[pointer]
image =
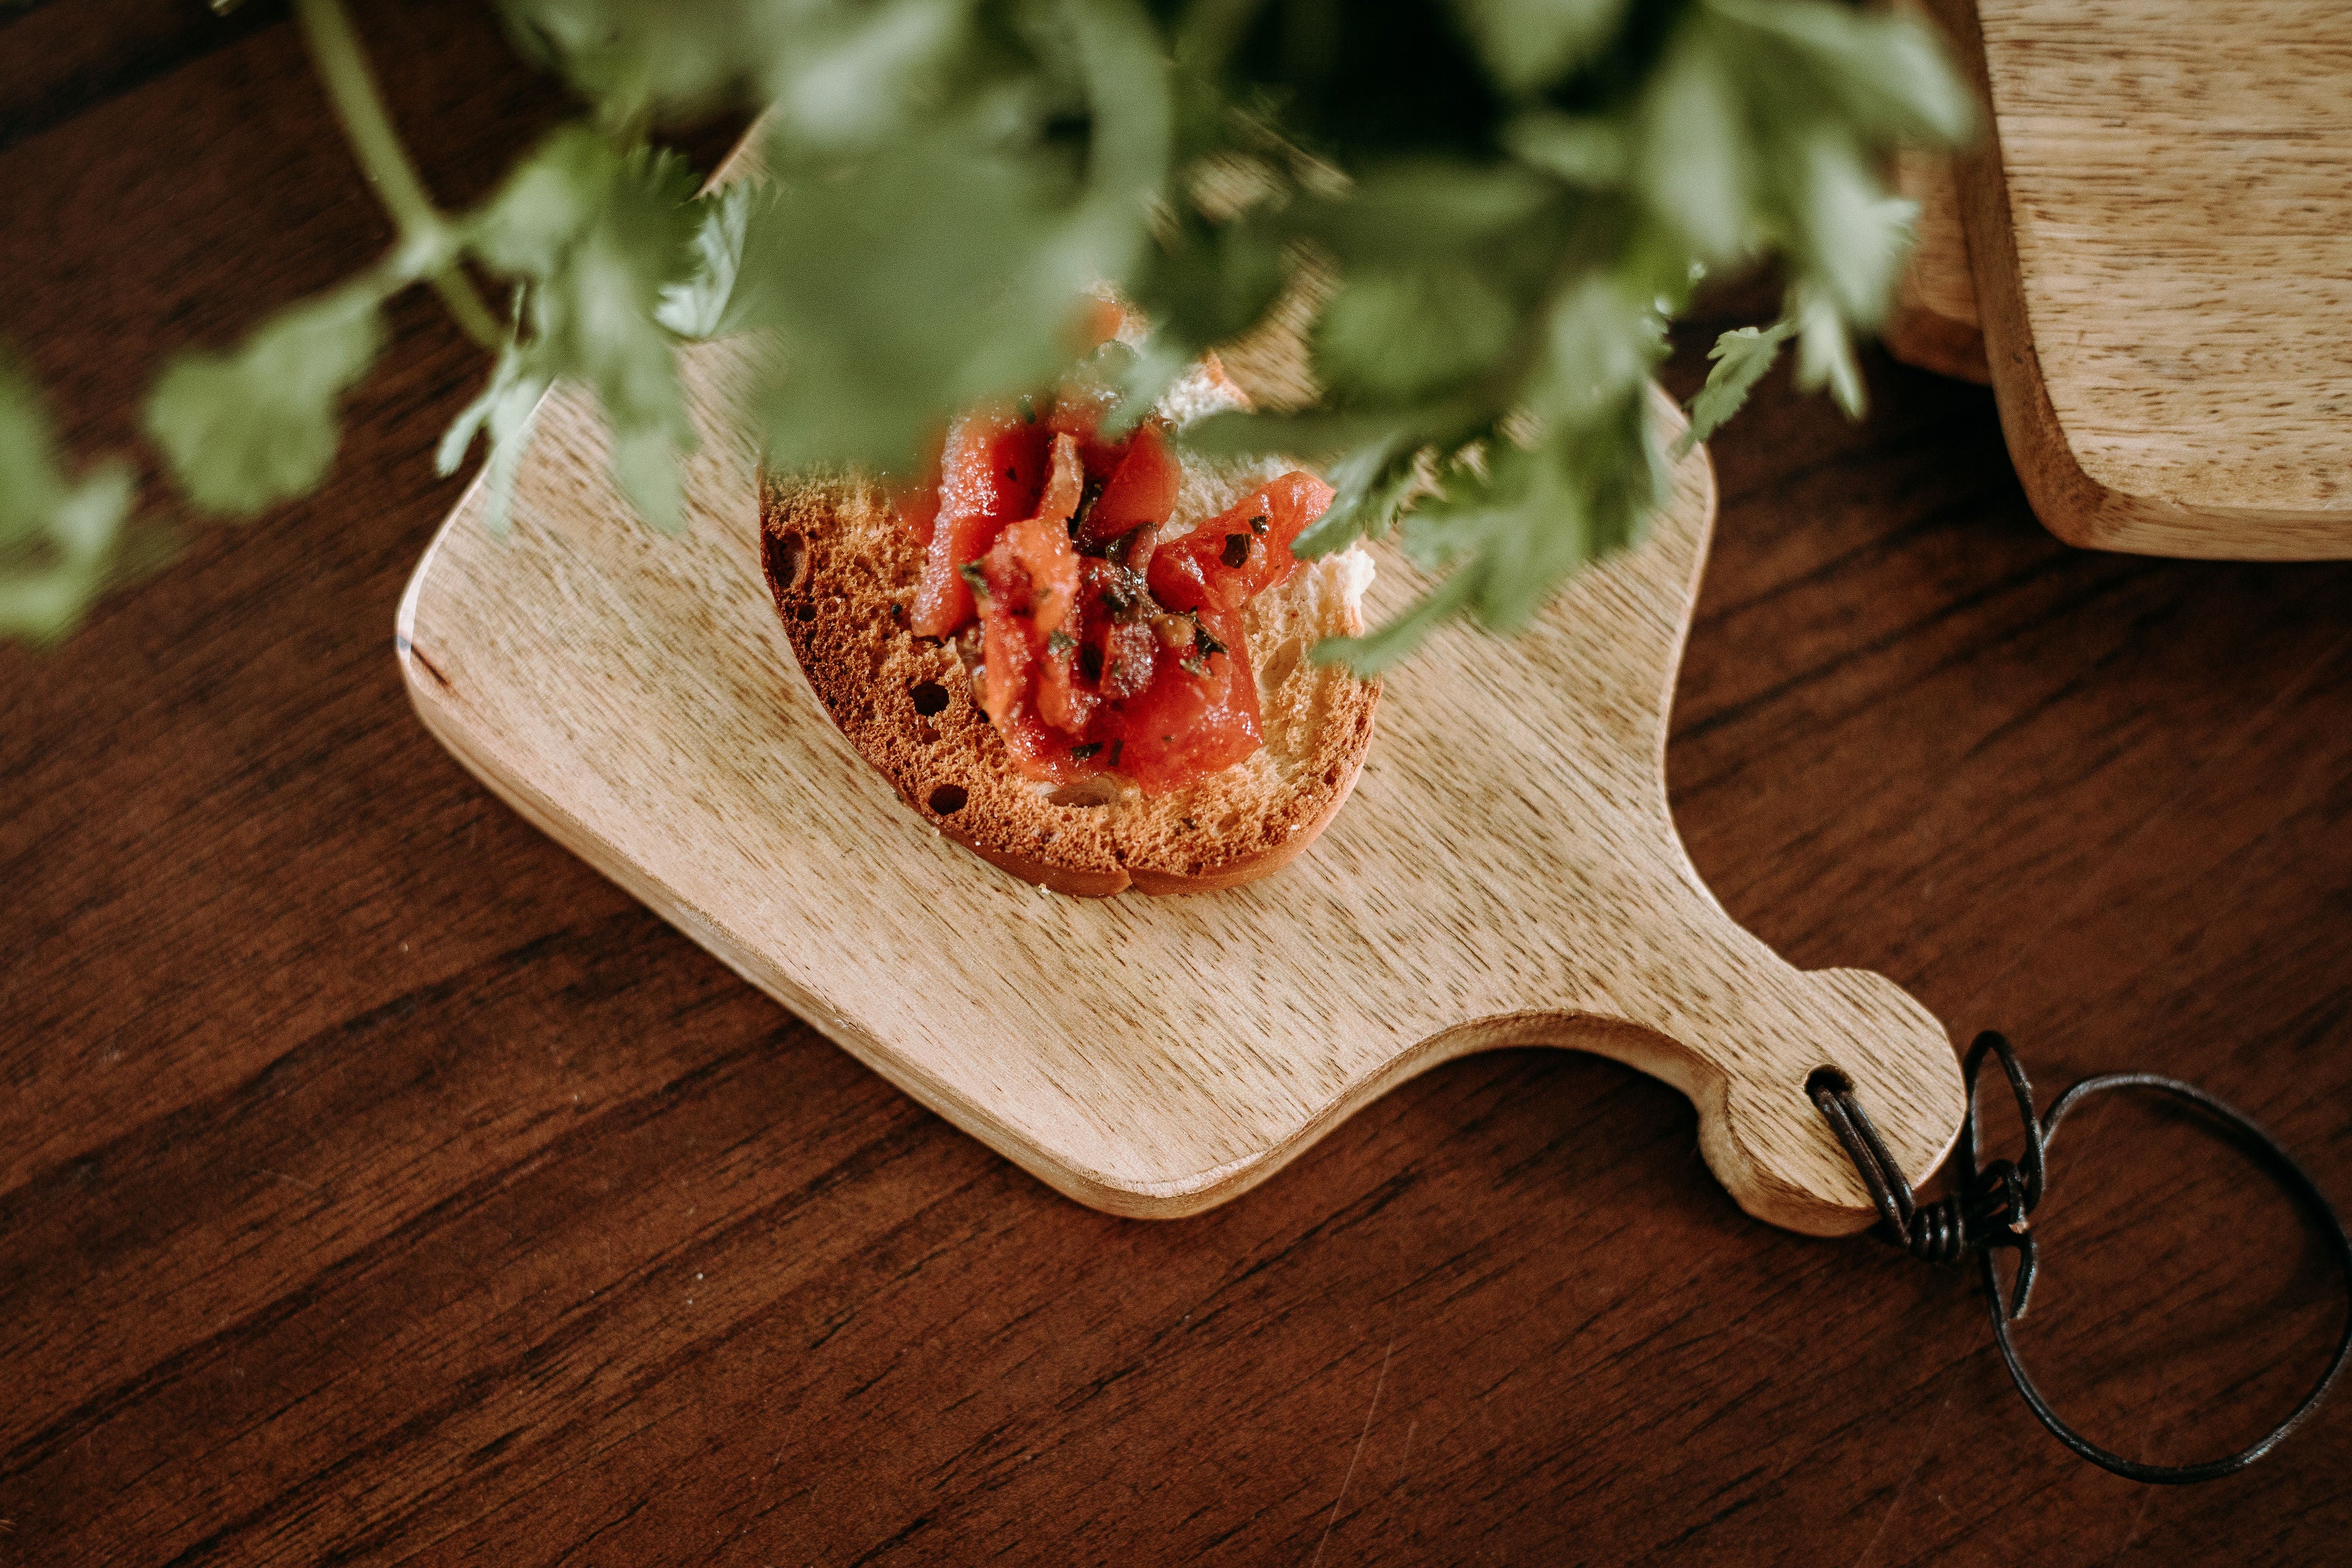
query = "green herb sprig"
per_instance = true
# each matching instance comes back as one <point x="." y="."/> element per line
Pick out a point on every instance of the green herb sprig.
<point x="1500" y="203"/>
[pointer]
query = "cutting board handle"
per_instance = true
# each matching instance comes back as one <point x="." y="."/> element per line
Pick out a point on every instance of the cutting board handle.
<point x="1699" y="1002"/>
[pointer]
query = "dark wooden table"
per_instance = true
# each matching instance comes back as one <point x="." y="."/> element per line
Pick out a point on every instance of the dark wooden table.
<point x="380" y="1183"/>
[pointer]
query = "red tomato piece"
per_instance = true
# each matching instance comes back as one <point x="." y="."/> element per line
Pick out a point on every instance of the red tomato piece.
<point x="1235" y="556"/>
<point x="1177" y="578"/>
<point x="1032" y="586"/>
<point x="1065" y="700"/>
<point x="1042" y="752"/>
<point x="1035" y="569"/>
<point x="1069" y="675"/>
<point x="991" y="473"/>
<point x="1195" y="720"/>
<point x="1130" y="658"/>
<point x="1065" y="481"/>
<point x="1078" y="412"/>
<point x="1139" y="493"/>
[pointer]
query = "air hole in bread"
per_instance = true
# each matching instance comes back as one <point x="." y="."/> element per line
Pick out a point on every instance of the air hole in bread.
<point x="1096" y="791"/>
<point x="807" y="612"/>
<point x="931" y="697"/>
<point x="949" y="799"/>
<point x="791" y="560"/>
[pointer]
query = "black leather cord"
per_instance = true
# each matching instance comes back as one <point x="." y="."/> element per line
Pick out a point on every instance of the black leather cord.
<point x="1991" y="1207"/>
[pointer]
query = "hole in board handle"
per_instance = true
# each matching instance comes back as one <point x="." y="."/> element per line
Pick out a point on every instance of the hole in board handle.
<point x="1826" y="1080"/>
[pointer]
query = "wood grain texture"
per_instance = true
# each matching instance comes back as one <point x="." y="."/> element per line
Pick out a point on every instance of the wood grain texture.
<point x="2160" y="232"/>
<point x="1934" y="324"/>
<point x="636" y="698"/>
<point x="379" y="1183"/>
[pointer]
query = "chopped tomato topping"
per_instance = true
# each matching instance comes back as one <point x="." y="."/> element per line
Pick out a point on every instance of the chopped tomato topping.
<point x="1234" y="558"/>
<point x="1065" y="481"/>
<point x="1033" y="583"/>
<point x="991" y="472"/>
<point x="1130" y="659"/>
<point x="1065" y="700"/>
<point x="1188" y="723"/>
<point x="1104" y="648"/>
<point x="1078" y="413"/>
<point x="1008" y="648"/>
<point x="1139" y="493"/>
<point x="1038" y="750"/>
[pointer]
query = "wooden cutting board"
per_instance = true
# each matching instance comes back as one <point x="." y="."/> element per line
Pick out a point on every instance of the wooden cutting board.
<point x="2160" y="232"/>
<point x="1506" y="872"/>
<point x="1934" y="324"/>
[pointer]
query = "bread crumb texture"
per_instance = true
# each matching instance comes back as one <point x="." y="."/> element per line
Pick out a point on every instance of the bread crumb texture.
<point x="843" y="570"/>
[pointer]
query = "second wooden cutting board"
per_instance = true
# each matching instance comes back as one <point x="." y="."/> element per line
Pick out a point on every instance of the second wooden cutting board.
<point x="2160" y="231"/>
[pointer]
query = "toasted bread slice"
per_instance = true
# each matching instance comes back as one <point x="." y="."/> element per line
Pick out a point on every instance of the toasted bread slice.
<point x="842" y="568"/>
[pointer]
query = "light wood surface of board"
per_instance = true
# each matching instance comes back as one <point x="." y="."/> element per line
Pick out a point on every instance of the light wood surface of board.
<point x="2160" y="231"/>
<point x="1506" y="873"/>
<point x="1934" y="323"/>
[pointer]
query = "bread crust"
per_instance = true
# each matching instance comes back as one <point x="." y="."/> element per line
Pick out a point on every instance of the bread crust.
<point x="843" y="569"/>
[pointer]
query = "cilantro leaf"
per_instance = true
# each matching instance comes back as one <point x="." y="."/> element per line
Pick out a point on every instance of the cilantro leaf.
<point x="1825" y="352"/>
<point x="599" y="240"/>
<point x="705" y="303"/>
<point x="1601" y="339"/>
<point x="1593" y="151"/>
<point x="1370" y="487"/>
<point x="59" y="538"/>
<point x="1530" y="43"/>
<point x="504" y="409"/>
<point x="1694" y="164"/>
<point x="854" y="73"/>
<point x="1853" y="236"/>
<point x="246" y="429"/>
<point x="1402" y="333"/>
<point x="1885" y="70"/>
<point x="995" y="230"/>
<point x="631" y="58"/>
<point x="1741" y="357"/>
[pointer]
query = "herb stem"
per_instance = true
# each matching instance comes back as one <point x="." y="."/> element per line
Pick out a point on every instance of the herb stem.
<point x="342" y="65"/>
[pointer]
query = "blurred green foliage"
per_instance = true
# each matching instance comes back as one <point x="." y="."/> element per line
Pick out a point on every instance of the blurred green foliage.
<point x="60" y="538"/>
<point x="1507" y="199"/>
